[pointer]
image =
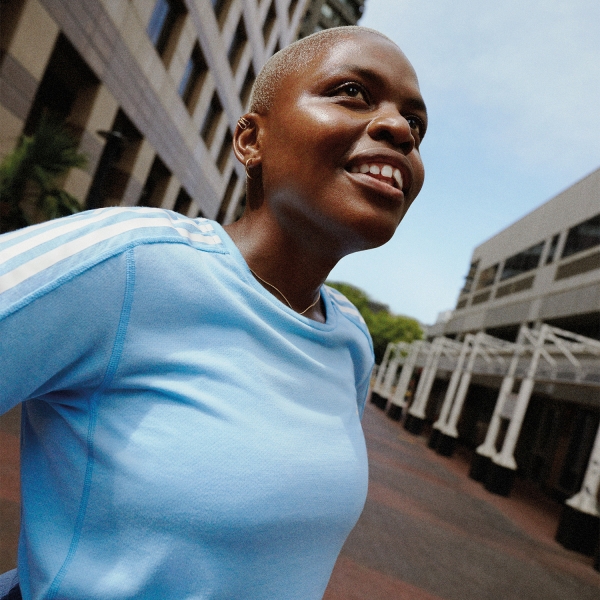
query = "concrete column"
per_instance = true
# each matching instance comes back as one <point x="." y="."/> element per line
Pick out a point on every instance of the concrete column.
<point x="463" y="388"/>
<point x="416" y="414"/>
<point x="579" y="525"/>
<point x="484" y="453"/>
<point x="398" y="401"/>
<point x="503" y="468"/>
<point x="440" y="424"/>
<point x="390" y="374"/>
<point x="377" y="386"/>
<point x="377" y="396"/>
<point x="453" y="384"/>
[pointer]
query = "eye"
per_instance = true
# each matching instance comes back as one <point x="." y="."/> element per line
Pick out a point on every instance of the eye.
<point x="416" y="124"/>
<point x="352" y="90"/>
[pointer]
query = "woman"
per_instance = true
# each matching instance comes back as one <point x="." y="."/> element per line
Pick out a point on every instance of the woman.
<point x="191" y="394"/>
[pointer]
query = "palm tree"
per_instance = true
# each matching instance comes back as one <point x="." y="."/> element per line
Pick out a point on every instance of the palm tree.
<point x="29" y="192"/>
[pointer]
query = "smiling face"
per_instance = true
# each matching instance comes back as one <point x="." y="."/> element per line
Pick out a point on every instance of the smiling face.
<point x="339" y="148"/>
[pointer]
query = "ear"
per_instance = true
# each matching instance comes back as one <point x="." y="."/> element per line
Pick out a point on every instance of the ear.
<point x="247" y="138"/>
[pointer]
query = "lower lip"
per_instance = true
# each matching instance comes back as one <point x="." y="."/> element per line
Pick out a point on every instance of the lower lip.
<point x="381" y="187"/>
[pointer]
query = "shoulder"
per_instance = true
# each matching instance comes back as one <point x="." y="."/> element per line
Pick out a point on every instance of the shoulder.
<point x="347" y="309"/>
<point x="42" y="256"/>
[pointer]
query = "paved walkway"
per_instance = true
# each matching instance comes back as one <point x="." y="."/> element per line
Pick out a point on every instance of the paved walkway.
<point x="428" y="532"/>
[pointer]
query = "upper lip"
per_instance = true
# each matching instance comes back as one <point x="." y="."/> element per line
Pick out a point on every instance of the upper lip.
<point x="388" y="157"/>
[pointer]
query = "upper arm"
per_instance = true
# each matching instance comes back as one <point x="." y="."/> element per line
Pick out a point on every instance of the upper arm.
<point x="60" y="340"/>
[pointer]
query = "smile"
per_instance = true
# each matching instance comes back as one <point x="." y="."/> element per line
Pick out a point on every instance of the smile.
<point x="381" y="171"/>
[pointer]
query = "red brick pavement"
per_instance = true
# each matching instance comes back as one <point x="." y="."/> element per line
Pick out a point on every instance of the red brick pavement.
<point x="429" y="532"/>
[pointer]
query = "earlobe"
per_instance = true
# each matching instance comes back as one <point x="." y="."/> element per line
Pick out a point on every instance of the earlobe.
<point x="246" y="140"/>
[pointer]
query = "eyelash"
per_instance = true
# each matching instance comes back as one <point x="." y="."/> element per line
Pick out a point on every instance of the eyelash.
<point x="419" y="124"/>
<point x="352" y="84"/>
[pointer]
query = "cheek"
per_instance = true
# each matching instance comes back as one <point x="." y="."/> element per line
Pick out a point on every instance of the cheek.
<point x="315" y="135"/>
<point x="418" y="174"/>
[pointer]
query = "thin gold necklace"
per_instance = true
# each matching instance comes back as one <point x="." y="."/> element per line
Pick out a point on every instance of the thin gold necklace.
<point x="283" y="295"/>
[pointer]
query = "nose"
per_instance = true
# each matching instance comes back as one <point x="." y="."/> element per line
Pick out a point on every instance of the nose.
<point x="391" y="127"/>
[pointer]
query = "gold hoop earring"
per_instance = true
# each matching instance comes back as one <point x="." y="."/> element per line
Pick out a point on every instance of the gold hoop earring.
<point x="247" y="167"/>
<point x="243" y="123"/>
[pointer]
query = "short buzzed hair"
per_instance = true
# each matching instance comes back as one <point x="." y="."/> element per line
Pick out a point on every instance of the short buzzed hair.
<point x="292" y="59"/>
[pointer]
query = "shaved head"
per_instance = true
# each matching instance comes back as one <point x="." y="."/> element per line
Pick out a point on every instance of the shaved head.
<point x="292" y="59"/>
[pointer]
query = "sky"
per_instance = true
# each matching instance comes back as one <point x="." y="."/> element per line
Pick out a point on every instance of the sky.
<point x="512" y="89"/>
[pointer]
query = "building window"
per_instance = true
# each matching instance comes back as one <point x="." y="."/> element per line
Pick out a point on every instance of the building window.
<point x="470" y="278"/>
<point x="156" y="184"/>
<point x="183" y="202"/>
<point x="461" y="303"/>
<point x="225" y="151"/>
<point x="292" y="8"/>
<point x="238" y="43"/>
<point x="164" y="24"/>
<point x="521" y="263"/>
<point x="67" y="91"/>
<point x="116" y="163"/>
<point x="211" y="120"/>
<point x="355" y="6"/>
<point x="247" y="86"/>
<point x="240" y="208"/>
<point x="583" y="236"/>
<point x="487" y="277"/>
<point x="327" y="11"/>
<point x="552" y="249"/>
<point x="221" y="8"/>
<point x="193" y="77"/>
<point x="269" y="22"/>
<point x="227" y="197"/>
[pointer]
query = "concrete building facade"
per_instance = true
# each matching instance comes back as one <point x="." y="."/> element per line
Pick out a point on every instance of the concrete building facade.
<point x="543" y="268"/>
<point x="513" y="372"/>
<point x="150" y="89"/>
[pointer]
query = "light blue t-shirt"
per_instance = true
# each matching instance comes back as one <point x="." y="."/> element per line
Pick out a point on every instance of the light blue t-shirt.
<point x="184" y="434"/>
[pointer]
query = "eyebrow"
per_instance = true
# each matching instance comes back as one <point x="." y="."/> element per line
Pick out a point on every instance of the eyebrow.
<point x="415" y="103"/>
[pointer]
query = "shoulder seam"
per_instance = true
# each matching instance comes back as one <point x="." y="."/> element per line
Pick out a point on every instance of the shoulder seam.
<point x="111" y="253"/>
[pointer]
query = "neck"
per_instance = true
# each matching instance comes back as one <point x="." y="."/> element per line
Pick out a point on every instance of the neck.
<point x="292" y="268"/>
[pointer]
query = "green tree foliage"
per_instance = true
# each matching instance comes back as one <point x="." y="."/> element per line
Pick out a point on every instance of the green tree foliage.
<point x="29" y="188"/>
<point x="384" y="326"/>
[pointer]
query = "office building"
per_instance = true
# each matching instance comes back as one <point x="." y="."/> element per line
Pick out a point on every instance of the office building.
<point x="513" y="372"/>
<point x="150" y="89"/>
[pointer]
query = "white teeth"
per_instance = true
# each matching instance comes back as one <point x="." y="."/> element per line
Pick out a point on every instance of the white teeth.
<point x="384" y="171"/>
<point x="398" y="177"/>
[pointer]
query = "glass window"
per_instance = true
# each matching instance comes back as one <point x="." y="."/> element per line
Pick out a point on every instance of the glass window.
<point x="292" y="8"/>
<point x="238" y="43"/>
<point x="221" y="8"/>
<point x="247" y="86"/>
<point x="158" y="20"/>
<point x="269" y="22"/>
<point x="327" y="11"/>
<point x="470" y="277"/>
<point x="521" y="263"/>
<point x="156" y="184"/>
<point x="183" y="202"/>
<point x="552" y="249"/>
<point x="162" y="23"/>
<point x="583" y="236"/>
<point x="194" y="73"/>
<point x="211" y="120"/>
<point x="225" y="151"/>
<point x="487" y="276"/>
<point x="227" y="197"/>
